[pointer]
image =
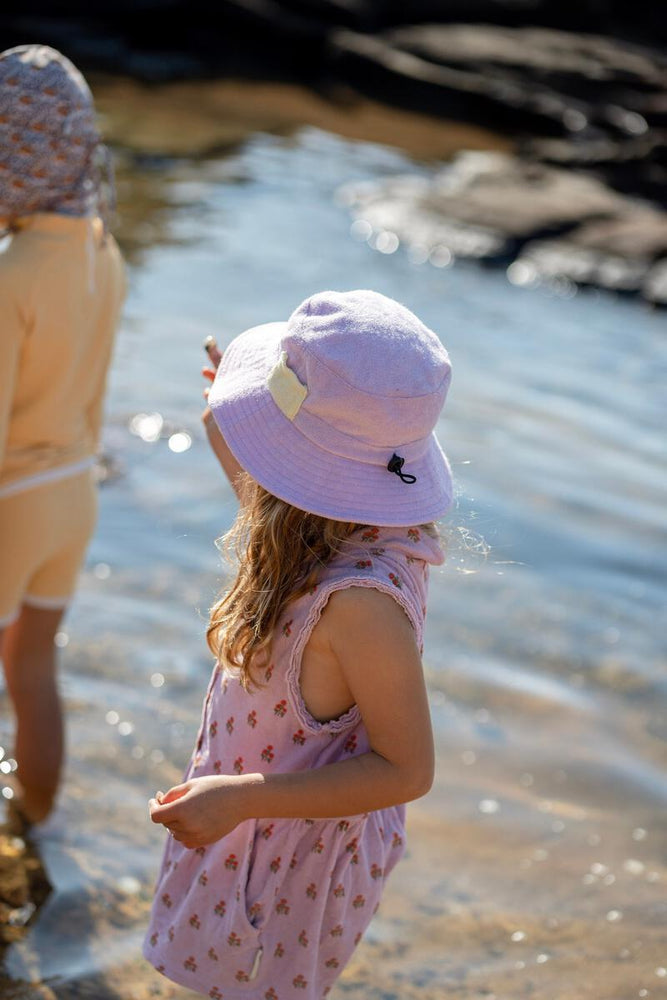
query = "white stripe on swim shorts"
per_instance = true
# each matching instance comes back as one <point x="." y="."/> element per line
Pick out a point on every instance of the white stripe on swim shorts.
<point x="48" y="476"/>
<point x="47" y="603"/>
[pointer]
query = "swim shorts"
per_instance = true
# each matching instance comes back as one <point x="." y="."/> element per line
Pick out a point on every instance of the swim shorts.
<point x="44" y="533"/>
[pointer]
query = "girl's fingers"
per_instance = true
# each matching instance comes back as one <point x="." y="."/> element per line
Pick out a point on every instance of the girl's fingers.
<point x="156" y="802"/>
<point x="177" y="792"/>
<point x="212" y="350"/>
<point x="167" y="815"/>
<point x="156" y="810"/>
<point x="169" y="806"/>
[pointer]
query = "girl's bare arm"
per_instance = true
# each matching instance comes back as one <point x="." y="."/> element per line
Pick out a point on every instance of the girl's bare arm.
<point x="219" y="447"/>
<point x="374" y="645"/>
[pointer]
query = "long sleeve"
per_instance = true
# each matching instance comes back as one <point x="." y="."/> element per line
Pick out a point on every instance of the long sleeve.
<point x="12" y="331"/>
<point x="56" y="339"/>
<point x="95" y="412"/>
<point x="116" y="296"/>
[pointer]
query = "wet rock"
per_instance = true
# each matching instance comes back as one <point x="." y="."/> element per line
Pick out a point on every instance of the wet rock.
<point x="541" y="72"/>
<point x="494" y="192"/>
<point x="589" y="99"/>
<point x="24" y="886"/>
<point x="616" y="253"/>
<point x="633" y="166"/>
<point x="575" y="63"/>
<point x="382" y="68"/>
<point x="563" y="259"/>
<point x="655" y="284"/>
<point x="533" y="68"/>
<point x="408" y="210"/>
<point x="552" y="223"/>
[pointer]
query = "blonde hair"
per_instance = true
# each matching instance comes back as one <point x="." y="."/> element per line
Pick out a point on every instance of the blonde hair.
<point x="280" y="551"/>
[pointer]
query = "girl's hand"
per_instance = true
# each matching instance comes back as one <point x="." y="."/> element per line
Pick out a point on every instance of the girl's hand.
<point x="230" y="466"/>
<point x="215" y="357"/>
<point x="211" y="348"/>
<point x="201" y="810"/>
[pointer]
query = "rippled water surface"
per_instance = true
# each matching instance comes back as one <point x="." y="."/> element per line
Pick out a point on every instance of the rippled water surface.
<point x="537" y="866"/>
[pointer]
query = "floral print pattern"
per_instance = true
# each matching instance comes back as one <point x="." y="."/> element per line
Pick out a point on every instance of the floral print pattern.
<point x="274" y="910"/>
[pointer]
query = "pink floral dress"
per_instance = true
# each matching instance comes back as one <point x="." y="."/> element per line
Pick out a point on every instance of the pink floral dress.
<point x="274" y="910"/>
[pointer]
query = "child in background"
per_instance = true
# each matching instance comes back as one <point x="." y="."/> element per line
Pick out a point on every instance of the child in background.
<point x="61" y="288"/>
<point x="315" y="727"/>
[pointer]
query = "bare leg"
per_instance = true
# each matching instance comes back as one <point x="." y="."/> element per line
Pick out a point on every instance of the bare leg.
<point x="29" y="660"/>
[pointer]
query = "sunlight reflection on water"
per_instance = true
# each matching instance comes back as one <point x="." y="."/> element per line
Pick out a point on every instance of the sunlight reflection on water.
<point x="541" y="655"/>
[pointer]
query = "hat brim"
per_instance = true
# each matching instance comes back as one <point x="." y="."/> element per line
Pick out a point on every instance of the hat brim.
<point x="296" y="469"/>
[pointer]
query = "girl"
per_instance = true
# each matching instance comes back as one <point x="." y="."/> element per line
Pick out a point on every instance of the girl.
<point x="315" y="727"/>
<point x="61" y="286"/>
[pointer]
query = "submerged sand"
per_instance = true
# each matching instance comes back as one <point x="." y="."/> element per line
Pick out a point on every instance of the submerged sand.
<point x="483" y="906"/>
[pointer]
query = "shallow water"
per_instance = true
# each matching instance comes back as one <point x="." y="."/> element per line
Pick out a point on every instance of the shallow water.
<point x="537" y="865"/>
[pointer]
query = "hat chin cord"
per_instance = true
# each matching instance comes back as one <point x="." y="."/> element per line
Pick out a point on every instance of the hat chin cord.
<point x="396" y="464"/>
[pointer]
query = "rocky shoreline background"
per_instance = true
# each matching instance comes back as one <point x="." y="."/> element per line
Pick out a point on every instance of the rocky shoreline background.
<point x="24" y="887"/>
<point x="579" y="88"/>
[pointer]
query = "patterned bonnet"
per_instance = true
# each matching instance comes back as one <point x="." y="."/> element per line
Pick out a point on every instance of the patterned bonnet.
<point x="51" y="154"/>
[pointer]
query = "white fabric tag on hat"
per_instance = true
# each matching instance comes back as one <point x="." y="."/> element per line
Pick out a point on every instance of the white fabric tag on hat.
<point x="287" y="391"/>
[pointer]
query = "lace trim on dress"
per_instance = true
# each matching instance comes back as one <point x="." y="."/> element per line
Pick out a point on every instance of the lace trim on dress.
<point x="353" y="715"/>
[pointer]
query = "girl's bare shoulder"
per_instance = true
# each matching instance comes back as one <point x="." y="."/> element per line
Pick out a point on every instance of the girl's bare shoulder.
<point x="366" y="613"/>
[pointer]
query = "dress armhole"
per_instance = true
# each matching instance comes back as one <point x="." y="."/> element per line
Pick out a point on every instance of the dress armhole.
<point x="350" y="718"/>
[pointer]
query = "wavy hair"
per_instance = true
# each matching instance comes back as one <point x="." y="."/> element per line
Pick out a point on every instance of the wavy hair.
<point x="280" y="551"/>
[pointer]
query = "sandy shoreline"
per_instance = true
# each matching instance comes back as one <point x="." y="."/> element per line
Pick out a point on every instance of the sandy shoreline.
<point x="479" y="908"/>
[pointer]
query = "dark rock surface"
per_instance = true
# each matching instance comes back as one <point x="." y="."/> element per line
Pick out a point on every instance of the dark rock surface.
<point x="579" y="87"/>
<point x="580" y="100"/>
<point x="24" y="887"/>
<point x="563" y="77"/>
<point x="542" y="222"/>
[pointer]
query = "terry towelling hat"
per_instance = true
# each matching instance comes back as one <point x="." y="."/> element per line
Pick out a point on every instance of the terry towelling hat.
<point x="334" y="411"/>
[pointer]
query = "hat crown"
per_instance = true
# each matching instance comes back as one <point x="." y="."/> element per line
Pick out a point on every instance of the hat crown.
<point x="373" y="371"/>
<point x="334" y="410"/>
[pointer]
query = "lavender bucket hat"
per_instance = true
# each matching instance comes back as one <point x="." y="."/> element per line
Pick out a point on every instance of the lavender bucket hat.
<point x="334" y="411"/>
